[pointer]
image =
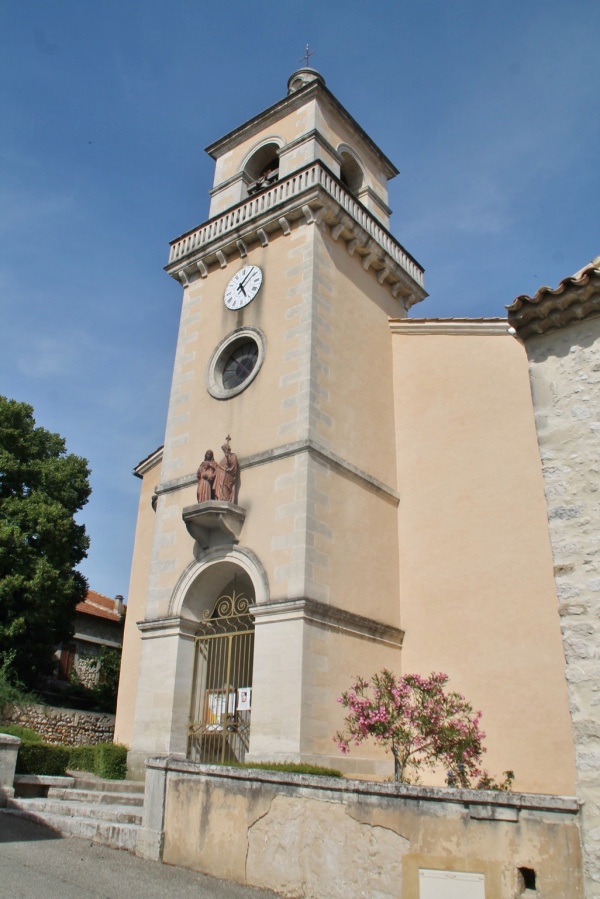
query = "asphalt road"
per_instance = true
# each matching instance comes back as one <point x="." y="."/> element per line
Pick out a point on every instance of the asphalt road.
<point x="36" y="863"/>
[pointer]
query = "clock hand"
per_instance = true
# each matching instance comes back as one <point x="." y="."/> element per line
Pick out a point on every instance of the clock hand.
<point x="241" y="287"/>
<point x="246" y="278"/>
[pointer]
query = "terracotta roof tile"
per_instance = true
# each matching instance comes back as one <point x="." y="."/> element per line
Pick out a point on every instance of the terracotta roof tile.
<point x="99" y="606"/>
<point x="576" y="298"/>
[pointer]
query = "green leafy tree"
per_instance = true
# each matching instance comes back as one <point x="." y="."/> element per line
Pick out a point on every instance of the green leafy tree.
<point x="41" y="489"/>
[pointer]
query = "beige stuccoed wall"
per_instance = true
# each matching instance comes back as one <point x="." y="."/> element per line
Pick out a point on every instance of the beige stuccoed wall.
<point x="313" y="384"/>
<point x="136" y="604"/>
<point x="323" y="838"/>
<point x="476" y="584"/>
<point x="565" y="379"/>
<point x="318" y="526"/>
<point x="302" y="666"/>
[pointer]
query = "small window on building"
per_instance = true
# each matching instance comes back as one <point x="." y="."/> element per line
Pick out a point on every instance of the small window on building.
<point x="526" y="881"/>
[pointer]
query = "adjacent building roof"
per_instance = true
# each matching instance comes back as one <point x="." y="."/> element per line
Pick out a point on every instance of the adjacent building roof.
<point x="100" y="606"/>
<point x="149" y="462"/>
<point x="576" y="298"/>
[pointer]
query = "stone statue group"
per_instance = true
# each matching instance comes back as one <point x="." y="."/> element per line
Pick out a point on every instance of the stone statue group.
<point x="217" y="480"/>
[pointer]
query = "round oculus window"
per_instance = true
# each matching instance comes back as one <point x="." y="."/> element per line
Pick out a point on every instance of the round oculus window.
<point x="235" y="362"/>
<point x="240" y="365"/>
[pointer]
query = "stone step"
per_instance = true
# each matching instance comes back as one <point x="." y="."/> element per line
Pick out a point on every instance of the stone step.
<point x="85" y="781"/>
<point x="107" y="833"/>
<point x="118" y="814"/>
<point x="96" y="796"/>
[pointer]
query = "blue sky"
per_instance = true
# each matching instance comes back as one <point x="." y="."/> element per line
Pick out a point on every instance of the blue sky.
<point x="489" y="110"/>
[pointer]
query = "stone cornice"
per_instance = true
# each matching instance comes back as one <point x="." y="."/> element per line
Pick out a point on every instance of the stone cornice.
<point x="291" y="449"/>
<point x="167" y="627"/>
<point x="312" y="195"/>
<point x="310" y="135"/>
<point x="480" y="327"/>
<point x="330" y="616"/>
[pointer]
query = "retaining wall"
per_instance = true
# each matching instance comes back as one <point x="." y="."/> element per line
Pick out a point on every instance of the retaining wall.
<point x="331" y="838"/>
<point x="68" y="726"/>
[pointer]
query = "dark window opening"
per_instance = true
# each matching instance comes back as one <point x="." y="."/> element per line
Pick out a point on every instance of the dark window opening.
<point x="351" y="174"/>
<point x="240" y="365"/>
<point x="527" y="878"/>
<point x="263" y="168"/>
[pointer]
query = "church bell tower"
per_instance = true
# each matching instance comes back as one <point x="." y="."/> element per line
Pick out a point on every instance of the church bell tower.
<point x="285" y="349"/>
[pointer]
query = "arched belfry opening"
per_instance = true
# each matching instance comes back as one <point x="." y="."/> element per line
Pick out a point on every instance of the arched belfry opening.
<point x="221" y="696"/>
<point x="351" y="173"/>
<point x="262" y="169"/>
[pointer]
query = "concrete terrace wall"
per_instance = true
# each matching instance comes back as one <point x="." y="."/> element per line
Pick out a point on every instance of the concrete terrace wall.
<point x="67" y="726"/>
<point x="328" y="838"/>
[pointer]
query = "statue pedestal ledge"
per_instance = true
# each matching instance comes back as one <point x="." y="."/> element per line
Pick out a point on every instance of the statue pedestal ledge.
<point x="214" y="523"/>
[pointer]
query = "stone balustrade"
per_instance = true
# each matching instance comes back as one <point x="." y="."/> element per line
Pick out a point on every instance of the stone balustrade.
<point x="313" y="175"/>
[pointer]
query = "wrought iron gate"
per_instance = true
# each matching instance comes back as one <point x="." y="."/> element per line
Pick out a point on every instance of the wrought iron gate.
<point x="219" y="729"/>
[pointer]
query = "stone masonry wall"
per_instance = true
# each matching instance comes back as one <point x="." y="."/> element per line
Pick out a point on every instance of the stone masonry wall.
<point x="565" y="382"/>
<point x="67" y="726"/>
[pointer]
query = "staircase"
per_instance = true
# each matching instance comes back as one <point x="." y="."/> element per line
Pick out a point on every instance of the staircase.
<point x="103" y="811"/>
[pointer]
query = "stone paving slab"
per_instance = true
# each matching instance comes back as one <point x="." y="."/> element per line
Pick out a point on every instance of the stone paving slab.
<point x="36" y="862"/>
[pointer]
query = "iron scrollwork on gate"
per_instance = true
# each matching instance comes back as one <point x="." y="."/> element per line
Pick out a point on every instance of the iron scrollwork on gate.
<point x="219" y="729"/>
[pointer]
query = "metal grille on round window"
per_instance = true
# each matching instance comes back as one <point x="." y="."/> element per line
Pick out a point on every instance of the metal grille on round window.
<point x="240" y="365"/>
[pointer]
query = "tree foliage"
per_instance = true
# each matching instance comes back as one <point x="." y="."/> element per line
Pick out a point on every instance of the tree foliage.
<point x="41" y="489"/>
<point x="415" y="718"/>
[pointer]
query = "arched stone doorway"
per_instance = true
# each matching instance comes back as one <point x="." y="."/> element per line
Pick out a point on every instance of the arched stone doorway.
<point x="215" y="598"/>
<point x="221" y="704"/>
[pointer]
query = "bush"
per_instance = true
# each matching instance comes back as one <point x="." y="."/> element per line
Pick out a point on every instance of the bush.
<point x="107" y="760"/>
<point x="25" y="734"/>
<point x="110" y="761"/>
<point x="41" y="758"/>
<point x="81" y="758"/>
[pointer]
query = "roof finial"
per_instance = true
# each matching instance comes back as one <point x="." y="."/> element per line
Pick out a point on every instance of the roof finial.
<point x="307" y="54"/>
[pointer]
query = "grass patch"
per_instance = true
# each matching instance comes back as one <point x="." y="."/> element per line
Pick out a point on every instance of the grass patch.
<point x="290" y="768"/>
<point x="25" y="734"/>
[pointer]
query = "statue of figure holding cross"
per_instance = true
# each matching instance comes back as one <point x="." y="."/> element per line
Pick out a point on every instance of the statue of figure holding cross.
<point x="227" y="469"/>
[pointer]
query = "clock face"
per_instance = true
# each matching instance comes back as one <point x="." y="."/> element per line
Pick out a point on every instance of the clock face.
<point x="243" y="287"/>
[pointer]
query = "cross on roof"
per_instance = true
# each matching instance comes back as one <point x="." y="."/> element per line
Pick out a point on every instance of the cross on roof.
<point x="307" y="54"/>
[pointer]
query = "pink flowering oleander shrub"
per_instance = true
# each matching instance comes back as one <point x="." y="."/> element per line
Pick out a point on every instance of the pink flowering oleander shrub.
<point x="418" y="721"/>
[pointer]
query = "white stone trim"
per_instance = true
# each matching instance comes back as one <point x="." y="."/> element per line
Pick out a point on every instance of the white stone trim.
<point x="316" y="612"/>
<point x="243" y="558"/>
<point x="253" y="219"/>
<point x="479" y="327"/>
<point x="265" y="141"/>
<point x="292" y="449"/>
<point x="220" y="356"/>
<point x="171" y="626"/>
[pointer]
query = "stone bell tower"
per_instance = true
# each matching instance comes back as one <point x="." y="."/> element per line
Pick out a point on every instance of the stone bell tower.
<point x="285" y="346"/>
